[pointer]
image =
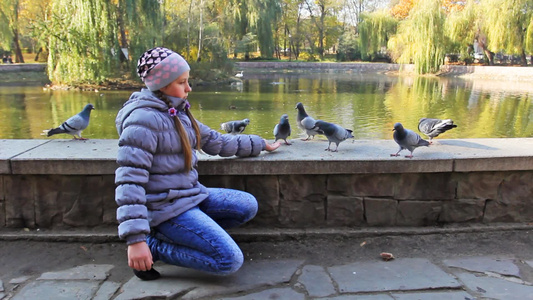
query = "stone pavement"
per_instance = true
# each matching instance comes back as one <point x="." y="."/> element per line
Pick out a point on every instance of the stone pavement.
<point x="503" y="273"/>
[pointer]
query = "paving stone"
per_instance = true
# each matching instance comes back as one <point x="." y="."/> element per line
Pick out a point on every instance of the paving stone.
<point x="361" y="297"/>
<point x="1" y="286"/>
<point x="2" y="295"/>
<point x="399" y="274"/>
<point x="56" y="290"/>
<point x="166" y="287"/>
<point x="278" y="293"/>
<point x="86" y="272"/>
<point x="192" y="284"/>
<point x="449" y="295"/>
<point x="494" y="288"/>
<point x="503" y="266"/>
<point x="316" y="281"/>
<point x="107" y="290"/>
<point x="251" y="276"/>
<point x="19" y="280"/>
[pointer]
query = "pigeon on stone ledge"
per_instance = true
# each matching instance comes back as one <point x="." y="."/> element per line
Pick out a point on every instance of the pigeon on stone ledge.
<point x="74" y="125"/>
<point x="235" y="127"/>
<point x="407" y="139"/>
<point x="306" y="122"/>
<point x="335" y="133"/>
<point x="282" y="130"/>
<point x="433" y="127"/>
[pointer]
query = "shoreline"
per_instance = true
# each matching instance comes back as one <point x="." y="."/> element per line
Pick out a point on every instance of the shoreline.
<point x="36" y="73"/>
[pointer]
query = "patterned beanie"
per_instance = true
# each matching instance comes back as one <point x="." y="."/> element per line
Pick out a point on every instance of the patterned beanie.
<point x="159" y="66"/>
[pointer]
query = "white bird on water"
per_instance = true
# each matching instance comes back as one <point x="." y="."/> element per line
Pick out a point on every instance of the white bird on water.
<point x="240" y="74"/>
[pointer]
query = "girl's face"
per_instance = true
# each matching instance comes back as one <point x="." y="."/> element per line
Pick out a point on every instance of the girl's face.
<point x="178" y="88"/>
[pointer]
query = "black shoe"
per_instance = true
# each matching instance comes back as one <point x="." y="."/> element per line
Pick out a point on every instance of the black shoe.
<point x="151" y="274"/>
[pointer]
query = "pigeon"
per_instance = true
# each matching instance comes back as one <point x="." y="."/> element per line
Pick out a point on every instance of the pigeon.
<point x="282" y="130"/>
<point x="74" y="125"/>
<point x="306" y="122"/>
<point x="335" y="133"/>
<point x="407" y="139"/>
<point x="235" y="127"/>
<point x="433" y="127"/>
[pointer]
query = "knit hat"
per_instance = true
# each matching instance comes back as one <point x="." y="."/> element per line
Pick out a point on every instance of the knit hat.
<point x="159" y="66"/>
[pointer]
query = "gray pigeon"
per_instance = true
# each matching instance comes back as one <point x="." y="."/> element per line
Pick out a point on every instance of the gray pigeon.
<point x="407" y="139"/>
<point x="433" y="127"/>
<point x="335" y="133"/>
<point x="75" y="124"/>
<point x="235" y="127"/>
<point x="282" y="130"/>
<point x="306" y="122"/>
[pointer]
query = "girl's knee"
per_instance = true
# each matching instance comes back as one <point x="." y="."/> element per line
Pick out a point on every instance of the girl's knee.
<point x="230" y="263"/>
<point x="251" y="209"/>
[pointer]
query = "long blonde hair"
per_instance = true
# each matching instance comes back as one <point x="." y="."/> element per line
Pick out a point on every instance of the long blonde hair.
<point x="184" y="138"/>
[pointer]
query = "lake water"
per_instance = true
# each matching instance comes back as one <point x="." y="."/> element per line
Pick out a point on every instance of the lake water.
<point x="368" y="104"/>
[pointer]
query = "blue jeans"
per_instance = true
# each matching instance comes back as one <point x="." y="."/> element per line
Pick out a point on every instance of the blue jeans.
<point x="196" y="239"/>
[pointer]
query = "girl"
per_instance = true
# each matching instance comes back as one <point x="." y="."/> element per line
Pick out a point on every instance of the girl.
<point x="164" y="213"/>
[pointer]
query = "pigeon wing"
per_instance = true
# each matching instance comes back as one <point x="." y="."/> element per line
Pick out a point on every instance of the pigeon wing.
<point x="426" y="125"/>
<point x="413" y="140"/>
<point x="308" y="123"/>
<point x="443" y="126"/>
<point x="341" y="133"/>
<point x="276" y="130"/>
<point x="74" y="124"/>
<point x="227" y="127"/>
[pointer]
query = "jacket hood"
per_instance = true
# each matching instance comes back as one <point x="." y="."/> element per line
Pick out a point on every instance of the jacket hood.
<point x="142" y="99"/>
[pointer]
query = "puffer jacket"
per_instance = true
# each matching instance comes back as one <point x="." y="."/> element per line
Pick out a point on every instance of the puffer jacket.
<point x="152" y="184"/>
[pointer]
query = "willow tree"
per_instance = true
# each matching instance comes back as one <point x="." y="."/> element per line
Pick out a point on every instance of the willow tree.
<point x="463" y="27"/>
<point x="420" y="38"/>
<point x="9" y="27"/>
<point x="375" y="29"/>
<point x="508" y="24"/>
<point x="270" y="13"/>
<point x="143" y="21"/>
<point x="82" y="45"/>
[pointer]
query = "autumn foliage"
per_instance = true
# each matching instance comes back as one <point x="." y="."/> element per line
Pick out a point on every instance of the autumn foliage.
<point x="401" y="10"/>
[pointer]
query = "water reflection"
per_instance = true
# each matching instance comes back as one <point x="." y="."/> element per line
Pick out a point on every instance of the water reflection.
<point x="369" y="104"/>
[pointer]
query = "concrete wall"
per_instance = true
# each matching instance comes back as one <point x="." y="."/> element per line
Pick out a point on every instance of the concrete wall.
<point x="67" y="183"/>
<point x="502" y="73"/>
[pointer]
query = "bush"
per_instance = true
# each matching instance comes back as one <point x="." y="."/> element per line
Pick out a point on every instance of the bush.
<point x="348" y="48"/>
<point x="305" y="56"/>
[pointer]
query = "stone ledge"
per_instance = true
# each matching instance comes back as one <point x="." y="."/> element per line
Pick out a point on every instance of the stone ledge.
<point x="98" y="157"/>
<point x="244" y="234"/>
<point x="26" y="67"/>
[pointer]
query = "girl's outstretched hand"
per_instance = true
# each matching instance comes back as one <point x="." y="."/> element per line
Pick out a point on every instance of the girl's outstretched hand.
<point x="140" y="257"/>
<point x="271" y="147"/>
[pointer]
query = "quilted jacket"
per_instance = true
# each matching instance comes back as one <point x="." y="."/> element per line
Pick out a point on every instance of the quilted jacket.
<point x="152" y="184"/>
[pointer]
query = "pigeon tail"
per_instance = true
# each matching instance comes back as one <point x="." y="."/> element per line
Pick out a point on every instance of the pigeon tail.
<point x="55" y="131"/>
<point x="423" y="142"/>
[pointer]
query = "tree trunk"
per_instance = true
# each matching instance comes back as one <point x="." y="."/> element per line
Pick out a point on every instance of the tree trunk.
<point x="189" y="30"/>
<point x="18" y="51"/>
<point x="122" y="31"/>
<point x="200" y="31"/>
<point x="321" y="30"/>
<point x="523" y="58"/>
<point x="37" y="54"/>
<point x="490" y="55"/>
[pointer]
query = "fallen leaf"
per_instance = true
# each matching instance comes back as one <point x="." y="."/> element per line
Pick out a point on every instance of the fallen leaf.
<point x="362" y="244"/>
<point x="386" y="256"/>
<point x="84" y="248"/>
